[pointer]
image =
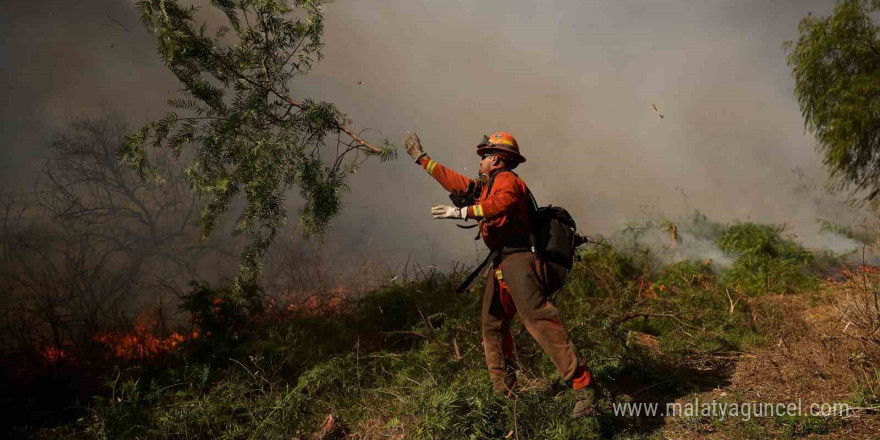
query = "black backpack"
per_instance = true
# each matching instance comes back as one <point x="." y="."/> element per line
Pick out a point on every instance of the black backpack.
<point x="555" y="239"/>
<point x="556" y="242"/>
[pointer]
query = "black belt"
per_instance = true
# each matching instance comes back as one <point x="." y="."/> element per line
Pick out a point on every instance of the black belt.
<point x="489" y="259"/>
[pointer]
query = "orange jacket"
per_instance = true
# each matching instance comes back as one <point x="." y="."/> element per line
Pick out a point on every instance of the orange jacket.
<point x="503" y="214"/>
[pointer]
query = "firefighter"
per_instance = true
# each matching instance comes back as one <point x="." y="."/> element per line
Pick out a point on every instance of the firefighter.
<point x="500" y="204"/>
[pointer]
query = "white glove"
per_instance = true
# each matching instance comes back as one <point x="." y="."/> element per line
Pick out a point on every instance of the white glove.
<point x="413" y="146"/>
<point x="444" y="211"/>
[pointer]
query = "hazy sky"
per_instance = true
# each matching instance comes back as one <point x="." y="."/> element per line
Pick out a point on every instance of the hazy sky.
<point x="573" y="80"/>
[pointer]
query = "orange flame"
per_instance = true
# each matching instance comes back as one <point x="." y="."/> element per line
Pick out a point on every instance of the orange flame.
<point x="316" y="301"/>
<point x="319" y="303"/>
<point x="141" y="343"/>
<point x="53" y="354"/>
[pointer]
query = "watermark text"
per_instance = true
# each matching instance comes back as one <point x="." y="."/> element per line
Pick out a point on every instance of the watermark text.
<point x="723" y="410"/>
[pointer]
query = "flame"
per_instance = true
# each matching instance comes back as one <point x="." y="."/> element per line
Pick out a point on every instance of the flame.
<point x="316" y="303"/>
<point x="141" y="342"/>
<point x="53" y="354"/>
<point x="319" y="302"/>
<point x="844" y="274"/>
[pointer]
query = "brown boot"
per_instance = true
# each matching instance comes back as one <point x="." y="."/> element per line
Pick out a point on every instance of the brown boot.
<point x="585" y="403"/>
<point x="504" y="386"/>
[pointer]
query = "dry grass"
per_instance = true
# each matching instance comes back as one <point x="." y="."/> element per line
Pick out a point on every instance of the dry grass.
<point x="823" y="349"/>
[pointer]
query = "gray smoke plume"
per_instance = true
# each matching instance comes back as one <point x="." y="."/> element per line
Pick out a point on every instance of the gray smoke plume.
<point x="573" y="80"/>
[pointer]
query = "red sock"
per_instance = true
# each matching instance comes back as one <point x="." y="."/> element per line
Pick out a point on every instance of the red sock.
<point x="581" y="378"/>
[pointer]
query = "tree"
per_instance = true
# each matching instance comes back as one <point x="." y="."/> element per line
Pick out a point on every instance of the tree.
<point x="75" y="253"/>
<point x="836" y="67"/>
<point x="251" y="138"/>
<point x="84" y="186"/>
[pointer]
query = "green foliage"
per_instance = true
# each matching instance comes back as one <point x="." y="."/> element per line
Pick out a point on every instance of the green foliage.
<point x="251" y="139"/>
<point x="836" y="67"/>
<point x="766" y="261"/>
<point x="224" y="325"/>
<point x="406" y="361"/>
<point x="685" y="274"/>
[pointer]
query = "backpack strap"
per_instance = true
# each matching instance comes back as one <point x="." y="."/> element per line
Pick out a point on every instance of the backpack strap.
<point x="489" y="190"/>
<point x="532" y="206"/>
<point x="492" y="179"/>
<point x="533" y="217"/>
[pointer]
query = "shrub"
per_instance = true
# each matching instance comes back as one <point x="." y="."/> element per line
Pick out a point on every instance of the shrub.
<point x="766" y="261"/>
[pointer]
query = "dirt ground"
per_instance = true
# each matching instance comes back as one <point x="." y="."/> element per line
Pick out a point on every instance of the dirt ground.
<point x="821" y="353"/>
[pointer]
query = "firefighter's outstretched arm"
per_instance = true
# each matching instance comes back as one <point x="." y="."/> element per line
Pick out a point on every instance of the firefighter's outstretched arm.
<point x="450" y="180"/>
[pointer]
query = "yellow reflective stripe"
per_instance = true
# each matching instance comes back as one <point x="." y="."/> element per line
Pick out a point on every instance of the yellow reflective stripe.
<point x="478" y="210"/>
<point x="498" y="274"/>
<point x="430" y="167"/>
<point x="502" y="141"/>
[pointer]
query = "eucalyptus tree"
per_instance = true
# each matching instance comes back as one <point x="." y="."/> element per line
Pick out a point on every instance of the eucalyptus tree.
<point x="253" y="139"/>
<point x="836" y="67"/>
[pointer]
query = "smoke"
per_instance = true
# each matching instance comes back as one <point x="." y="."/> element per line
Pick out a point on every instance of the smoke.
<point x="688" y="246"/>
<point x="574" y="81"/>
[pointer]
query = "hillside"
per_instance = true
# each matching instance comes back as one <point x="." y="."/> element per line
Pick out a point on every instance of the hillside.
<point x="780" y="323"/>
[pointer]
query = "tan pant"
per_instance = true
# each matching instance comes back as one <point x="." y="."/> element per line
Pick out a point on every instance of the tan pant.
<point x="515" y="288"/>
